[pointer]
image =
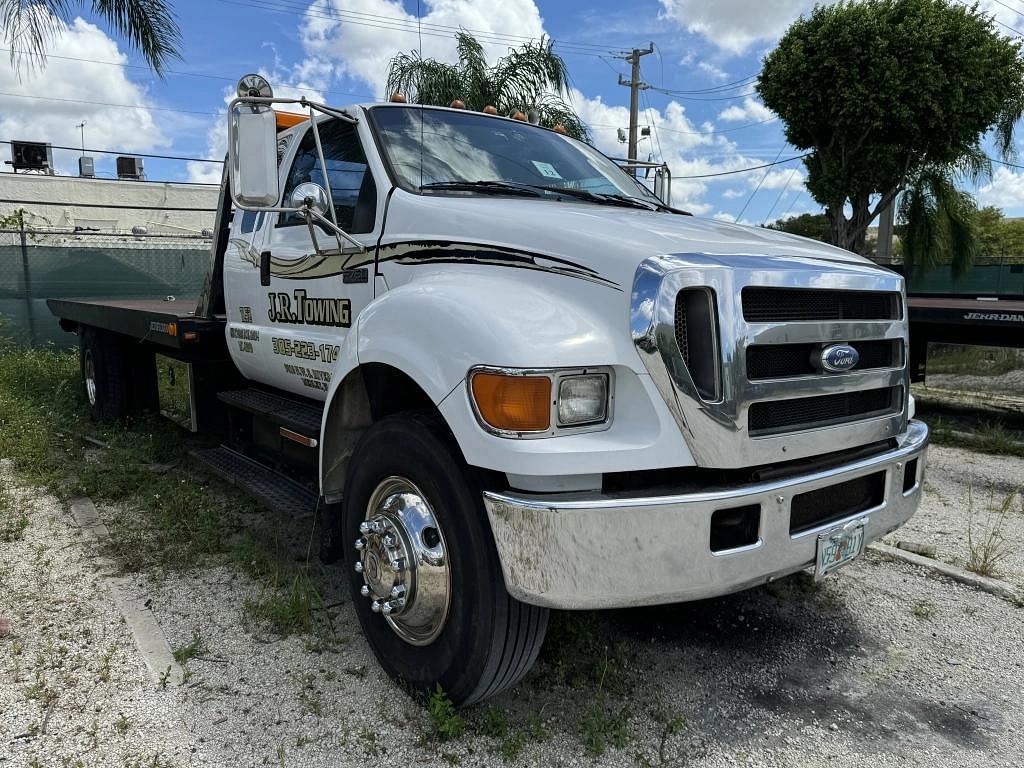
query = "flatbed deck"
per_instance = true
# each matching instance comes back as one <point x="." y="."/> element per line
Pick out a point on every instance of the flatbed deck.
<point x="961" y="320"/>
<point x="171" y="324"/>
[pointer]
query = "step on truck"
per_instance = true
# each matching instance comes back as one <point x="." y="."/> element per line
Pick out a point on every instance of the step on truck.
<point x="512" y="379"/>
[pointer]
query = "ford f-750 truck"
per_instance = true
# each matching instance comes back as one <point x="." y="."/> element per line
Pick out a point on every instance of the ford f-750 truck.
<point x="516" y="380"/>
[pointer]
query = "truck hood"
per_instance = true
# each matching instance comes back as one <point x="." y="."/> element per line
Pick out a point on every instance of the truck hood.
<point x="604" y="241"/>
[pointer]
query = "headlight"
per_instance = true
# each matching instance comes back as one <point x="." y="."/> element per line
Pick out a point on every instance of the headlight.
<point x="582" y="399"/>
<point x="518" y="402"/>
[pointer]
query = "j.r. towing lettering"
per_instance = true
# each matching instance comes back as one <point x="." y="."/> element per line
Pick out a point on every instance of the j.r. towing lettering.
<point x="309" y="311"/>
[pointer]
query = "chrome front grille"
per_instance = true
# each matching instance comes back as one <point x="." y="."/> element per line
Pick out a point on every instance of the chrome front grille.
<point x="789" y="305"/>
<point x="776" y="361"/>
<point x="772" y="416"/>
<point x="773" y="401"/>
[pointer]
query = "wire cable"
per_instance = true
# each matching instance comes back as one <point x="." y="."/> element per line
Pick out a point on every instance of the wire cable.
<point x="744" y="208"/>
<point x="779" y="198"/>
<point x="132" y="154"/>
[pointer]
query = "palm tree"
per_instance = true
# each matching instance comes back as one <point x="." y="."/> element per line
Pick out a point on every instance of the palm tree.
<point x="146" y="25"/>
<point x="531" y="77"/>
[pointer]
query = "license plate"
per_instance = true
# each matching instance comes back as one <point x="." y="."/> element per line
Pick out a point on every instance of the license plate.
<point x="839" y="546"/>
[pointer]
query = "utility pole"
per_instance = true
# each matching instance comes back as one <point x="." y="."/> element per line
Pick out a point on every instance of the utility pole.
<point x="635" y="86"/>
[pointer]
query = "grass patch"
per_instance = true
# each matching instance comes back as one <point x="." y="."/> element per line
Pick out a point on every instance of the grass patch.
<point x="602" y="727"/>
<point x="446" y="722"/>
<point x="988" y="437"/>
<point x="987" y="546"/>
<point x="923" y="609"/>
<point x="190" y="650"/>
<point x="578" y="654"/>
<point x="972" y="360"/>
<point x="289" y="594"/>
<point x="13" y="520"/>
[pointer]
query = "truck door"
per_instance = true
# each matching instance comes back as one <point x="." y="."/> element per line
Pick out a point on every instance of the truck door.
<point x="303" y="317"/>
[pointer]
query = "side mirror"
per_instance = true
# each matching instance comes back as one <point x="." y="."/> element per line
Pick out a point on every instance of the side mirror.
<point x="312" y="194"/>
<point x="252" y="156"/>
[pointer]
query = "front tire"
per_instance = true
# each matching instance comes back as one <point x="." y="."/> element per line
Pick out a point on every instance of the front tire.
<point x="426" y="580"/>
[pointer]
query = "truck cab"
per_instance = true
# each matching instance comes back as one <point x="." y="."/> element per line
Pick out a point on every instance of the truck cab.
<point x="519" y="381"/>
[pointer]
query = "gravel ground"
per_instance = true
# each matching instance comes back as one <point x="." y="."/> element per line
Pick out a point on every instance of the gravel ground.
<point x="881" y="665"/>
<point x="1010" y="383"/>
<point x="965" y="491"/>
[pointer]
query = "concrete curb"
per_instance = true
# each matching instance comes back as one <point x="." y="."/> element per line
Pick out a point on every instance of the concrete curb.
<point x="149" y="638"/>
<point x="993" y="586"/>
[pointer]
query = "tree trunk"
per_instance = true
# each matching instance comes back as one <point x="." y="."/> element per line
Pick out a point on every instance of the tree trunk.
<point x="851" y="233"/>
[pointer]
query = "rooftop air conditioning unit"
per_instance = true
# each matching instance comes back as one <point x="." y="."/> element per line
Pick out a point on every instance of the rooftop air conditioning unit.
<point x="86" y="167"/>
<point x="130" y="168"/>
<point x="31" y="156"/>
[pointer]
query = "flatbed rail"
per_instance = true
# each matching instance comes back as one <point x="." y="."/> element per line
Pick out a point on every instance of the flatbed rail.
<point x="171" y="324"/>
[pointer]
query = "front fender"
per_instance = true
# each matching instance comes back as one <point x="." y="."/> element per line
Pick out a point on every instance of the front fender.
<point x="437" y="327"/>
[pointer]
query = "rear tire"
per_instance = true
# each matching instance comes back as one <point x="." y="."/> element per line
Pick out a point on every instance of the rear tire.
<point x="118" y="374"/>
<point x="104" y="374"/>
<point x="483" y="641"/>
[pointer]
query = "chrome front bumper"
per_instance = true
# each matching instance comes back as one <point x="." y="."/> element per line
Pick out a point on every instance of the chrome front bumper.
<point x="606" y="552"/>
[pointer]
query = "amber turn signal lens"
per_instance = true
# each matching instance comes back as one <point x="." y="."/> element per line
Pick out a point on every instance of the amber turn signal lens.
<point x="513" y="403"/>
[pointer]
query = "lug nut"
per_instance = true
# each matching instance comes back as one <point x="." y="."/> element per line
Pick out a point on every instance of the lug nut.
<point x="360" y="543"/>
<point x="375" y="606"/>
<point x="364" y="590"/>
<point x="364" y="527"/>
<point x="397" y="564"/>
<point x="359" y="566"/>
<point x="389" y="540"/>
<point x="398" y="590"/>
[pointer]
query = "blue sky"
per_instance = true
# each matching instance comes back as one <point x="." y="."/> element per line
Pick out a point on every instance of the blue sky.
<point x="338" y="50"/>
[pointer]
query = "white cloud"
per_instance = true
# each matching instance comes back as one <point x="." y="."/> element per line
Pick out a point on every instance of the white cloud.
<point x="85" y="86"/>
<point x="1005" y="190"/>
<point x="732" y="194"/>
<point x="752" y="110"/>
<point x="734" y="25"/>
<point x="791" y="178"/>
<point x="715" y="73"/>
<point x="363" y="52"/>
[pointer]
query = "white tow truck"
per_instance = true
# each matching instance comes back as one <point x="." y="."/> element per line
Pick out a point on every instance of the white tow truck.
<point x="512" y="379"/>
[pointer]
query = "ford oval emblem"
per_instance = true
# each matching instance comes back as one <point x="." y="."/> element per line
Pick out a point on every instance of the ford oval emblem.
<point x="838" y="358"/>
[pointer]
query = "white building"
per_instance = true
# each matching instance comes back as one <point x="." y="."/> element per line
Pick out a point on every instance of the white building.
<point x="108" y="205"/>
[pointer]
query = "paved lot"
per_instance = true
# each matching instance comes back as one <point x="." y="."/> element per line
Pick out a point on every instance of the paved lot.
<point x="881" y="665"/>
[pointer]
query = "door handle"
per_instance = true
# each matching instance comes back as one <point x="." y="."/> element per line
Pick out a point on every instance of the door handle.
<point x="265" y="268"/>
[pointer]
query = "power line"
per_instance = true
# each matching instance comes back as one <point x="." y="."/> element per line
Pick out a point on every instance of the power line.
<point x="749" y="199"/>
<point x="718" y="88"/>
<point x="398" y="24"/>
<point x="134" y="154"/>
<point x="179" y="73"/>
<point x="107" y="104"/>
<point x="654" y="124"/>
<point x="66" y="204"/>
<point x="743" y="170"/>
<point x="683" y="95"/>
<point x="779" y="198"/>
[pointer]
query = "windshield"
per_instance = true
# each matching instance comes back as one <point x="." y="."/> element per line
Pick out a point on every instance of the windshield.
<point x="467" y="147"/>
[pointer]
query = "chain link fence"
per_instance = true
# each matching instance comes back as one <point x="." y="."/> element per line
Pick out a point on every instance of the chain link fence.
<point x="36" y="265"/>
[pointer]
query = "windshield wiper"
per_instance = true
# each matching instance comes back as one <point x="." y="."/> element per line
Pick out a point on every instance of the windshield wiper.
<point x="484" y="187"/>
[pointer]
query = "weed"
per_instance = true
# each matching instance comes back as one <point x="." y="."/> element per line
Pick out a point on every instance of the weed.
<point x="285" y="610"/>
<point x="972" y="360"/>
<point x="190" y="650"/>
<point x="536" y="729"/>
<point x="165" y="678"/>
<point x="369" y="741"/>
<point x="989" y="547"/>
<point x="122" y="724"/>
<point x="601" y="728"/>
<point x="105" y="659"/>
<point x="13" y="521"/>
<point x="923" y="609"/>
<point x="447" y="723"/>
<point x="495" y="723"/>
<point x="359" y="671"/>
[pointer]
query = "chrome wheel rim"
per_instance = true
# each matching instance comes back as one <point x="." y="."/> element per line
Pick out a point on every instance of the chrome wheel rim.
<point x="90" y="378"/>
<point x="403" y="561"/>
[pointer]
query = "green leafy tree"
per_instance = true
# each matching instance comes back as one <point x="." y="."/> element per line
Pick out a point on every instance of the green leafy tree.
<point x="29" y="26"/>
<point x="530" y="77"/>
<point x="812" y="225"/>
<point x="888" y="96"/>
<point x="999" y="237"/>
